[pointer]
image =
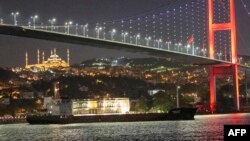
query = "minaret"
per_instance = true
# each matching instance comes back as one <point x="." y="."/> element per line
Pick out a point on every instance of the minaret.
<point x="68" y="56"/>
<point x="38" y="56"/>
<point x="26" y="59"/>
<point x="43" y="57"/>
<point x="51" y="52"/>
<point x="55" y="51"/>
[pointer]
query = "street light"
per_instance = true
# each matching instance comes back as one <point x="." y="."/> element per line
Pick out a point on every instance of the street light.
<point x="177" y="96"/>
<point x="204" y="51"/>
<point x="52" y="21"/>
<point x="112" y="34"/>
<point x="34" y="20"/>
<point x="29" y="24"/>
<point x="84" y="29"/>
<point x="197" y="51"/>
<point x="147" y="40"/>
<point x="168" y="43"/>
<point x="76" y="29"/>
<point x="240" y="60"/>
<point x="188" y="46"/>
<point x="67" y="25"/>
<point x="98" y="29"/>
<point x="219" y="55"/>
<point x="15" y="14"/>
<point x="158" y="42"/>
<point x="124" y="36"/>
<point x="136" y="38"/>
<point x="104" y="35"/>
<point x="178" y="46"/>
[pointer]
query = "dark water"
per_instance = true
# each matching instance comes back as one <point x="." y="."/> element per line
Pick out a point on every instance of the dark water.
<point x="203" y="128"/>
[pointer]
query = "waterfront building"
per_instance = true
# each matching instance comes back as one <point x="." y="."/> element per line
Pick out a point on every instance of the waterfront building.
<point x="77" y="107"/>
<point x="100" y="106"/>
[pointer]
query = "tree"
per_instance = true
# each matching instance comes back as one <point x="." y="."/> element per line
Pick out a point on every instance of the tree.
<point x="141" y="105"/>
<point x="162" y="102"/>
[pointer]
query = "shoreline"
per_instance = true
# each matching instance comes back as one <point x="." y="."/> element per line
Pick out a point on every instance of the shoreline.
<point x="23" y="120"/>
<point x="13" y="121"/>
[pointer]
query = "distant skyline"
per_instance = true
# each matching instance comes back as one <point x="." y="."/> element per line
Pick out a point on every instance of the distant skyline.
<point x="12" y="49"/>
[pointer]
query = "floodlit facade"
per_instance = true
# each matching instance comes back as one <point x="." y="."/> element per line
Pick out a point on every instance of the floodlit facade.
<point x="58" y="106"/>
<point x="101" y="106"/>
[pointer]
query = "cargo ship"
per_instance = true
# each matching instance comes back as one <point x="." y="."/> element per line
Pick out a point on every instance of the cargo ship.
<point x="174" y="114"/>
<point x="63" y="110"/>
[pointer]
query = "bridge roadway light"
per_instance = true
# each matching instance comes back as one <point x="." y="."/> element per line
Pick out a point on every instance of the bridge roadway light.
<point x="67" y="25"/>
<point x="240" y="60"/>
<point x="196" y="51"/>
<point x="204" y="51"/>
<point x="124" y="36"/>
<point x="15" y="14"/>
<point x="168" y="43"/>
<point x="29" y="24"/>
<point x="147" y="40"/>
<point x="112" y="34"/>
<point x="178" y="46"/>
<point x="219" y="55"/>
<point x="136" y="38"/>
<point x="76" y="29"/>
<point x="177" y="96"/>
<point x="98" y="29"/>
<point x="34" y="20"/>
<point x="158" y="42"/>
<point x="188" y="46"/>
<point x="104" y="35"/>
<point x="84" y="29"/>
<point x="52" y="21"/>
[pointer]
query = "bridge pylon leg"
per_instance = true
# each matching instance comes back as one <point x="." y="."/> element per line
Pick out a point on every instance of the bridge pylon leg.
<point x="236" y="86"/>
<point x="212" y="91"/>
<point x="223" y="70"/>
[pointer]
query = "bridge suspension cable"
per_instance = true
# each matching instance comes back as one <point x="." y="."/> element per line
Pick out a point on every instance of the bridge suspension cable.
<point x="179" y="26"/>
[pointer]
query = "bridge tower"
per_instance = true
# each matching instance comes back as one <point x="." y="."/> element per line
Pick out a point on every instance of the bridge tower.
<point x="223" y="69"/>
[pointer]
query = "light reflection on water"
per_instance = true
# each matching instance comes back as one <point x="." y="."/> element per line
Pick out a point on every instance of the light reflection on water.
<point x="202" y="128"/>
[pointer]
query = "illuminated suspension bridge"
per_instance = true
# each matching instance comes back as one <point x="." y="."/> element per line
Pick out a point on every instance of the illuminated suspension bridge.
<point x="202" y="29"/>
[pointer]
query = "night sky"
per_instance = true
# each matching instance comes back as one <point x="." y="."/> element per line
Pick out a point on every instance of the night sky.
<point x="85" y="11"/>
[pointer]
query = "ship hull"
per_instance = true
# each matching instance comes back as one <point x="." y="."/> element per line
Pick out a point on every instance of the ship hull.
<point x="174" y="114"/>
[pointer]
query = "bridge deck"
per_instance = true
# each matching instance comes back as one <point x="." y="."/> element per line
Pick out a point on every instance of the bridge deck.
<point x="89" y="41"/>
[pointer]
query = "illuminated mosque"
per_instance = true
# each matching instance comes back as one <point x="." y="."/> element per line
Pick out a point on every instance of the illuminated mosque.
<point x="53" y="62"/>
